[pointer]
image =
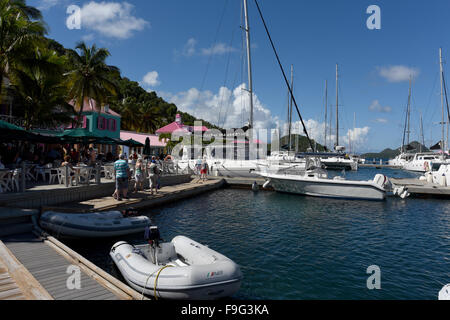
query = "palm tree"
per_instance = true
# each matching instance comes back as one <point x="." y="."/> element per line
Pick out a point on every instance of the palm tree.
<point x="38" y="88"/>
<point x="20" y="25"/>
<point x="130" y="112"/>
<point x="150" y="118"/>
<point x="90" y="76"/>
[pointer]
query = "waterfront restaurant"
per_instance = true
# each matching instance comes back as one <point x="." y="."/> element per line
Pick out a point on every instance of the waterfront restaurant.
<point x="100" y="121"/>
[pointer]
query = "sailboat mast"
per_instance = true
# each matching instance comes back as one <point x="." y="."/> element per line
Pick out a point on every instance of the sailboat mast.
<point x="421" y="133"/>
<point x="249" y="62"/>
<point x="409" y="112"/>
<point x="337" y="109"/>
<point x="326" y="111"/>
<point x="290" y="107"/>
<point x="442" y="98"/>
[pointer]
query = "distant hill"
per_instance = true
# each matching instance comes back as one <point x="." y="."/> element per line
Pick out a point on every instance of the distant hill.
<point x="390" y="153"/>
<point x="298" y="142"/>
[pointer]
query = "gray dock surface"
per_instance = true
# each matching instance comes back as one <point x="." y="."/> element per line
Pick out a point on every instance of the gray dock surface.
<point x="50" y="269"/>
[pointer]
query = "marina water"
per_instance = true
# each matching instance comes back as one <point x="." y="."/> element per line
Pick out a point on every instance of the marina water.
<point x="295" y="247"/>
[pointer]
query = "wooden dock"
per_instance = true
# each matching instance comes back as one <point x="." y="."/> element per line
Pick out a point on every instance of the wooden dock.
<point x="378" y="166"/>
<point x="47" y="270"/>
<point x="422" y="188"/>
<point x="143" y="199"/>
<point x="37" y="266"/>
<point x="16" y="282"/>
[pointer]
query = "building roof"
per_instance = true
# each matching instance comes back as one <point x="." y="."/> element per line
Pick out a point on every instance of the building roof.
<point x="174" y="126"/>
<point x="154" y="139"/>
<point x="90" y="105"/>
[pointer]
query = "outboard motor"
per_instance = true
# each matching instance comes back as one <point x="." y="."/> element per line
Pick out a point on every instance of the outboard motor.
<point x="152" y="235"/>
<point x="154" y="238"/>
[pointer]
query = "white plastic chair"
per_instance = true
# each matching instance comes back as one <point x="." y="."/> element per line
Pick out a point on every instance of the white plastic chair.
<point x="62" y="176"/>
<point x="53" y="175"/>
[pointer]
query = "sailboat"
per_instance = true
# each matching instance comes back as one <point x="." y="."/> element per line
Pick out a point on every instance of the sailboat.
<point x="424" y="162"/>
<point x="228" y="163"/>
<point x="338" y="160"/>
<point x="404" y="157"/>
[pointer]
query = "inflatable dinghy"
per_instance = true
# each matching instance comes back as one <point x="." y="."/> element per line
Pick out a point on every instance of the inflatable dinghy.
<point x="181" y="269"/>
<point x="92" y="225"/>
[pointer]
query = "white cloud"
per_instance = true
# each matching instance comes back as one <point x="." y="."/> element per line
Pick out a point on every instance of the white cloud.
<point x="189" y="47"/>
<point x="226" y="108"/>
<point x="230" y="109"/>
<point x="316" y="130"/>
<point x="375" y="106"/>
<point x="218" y="49"/>
<point x="380" y="120"/>
<point x="398" y="73"/>
<point x="151" y="79"/>
<point x="47" y="4"/>
<point x="88" y="37"/>
<point x="111" y="19"/>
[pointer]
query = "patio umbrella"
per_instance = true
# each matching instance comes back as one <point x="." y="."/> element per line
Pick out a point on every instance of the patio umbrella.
<point x="147" y="150"/>
<point x="6" y="126"/>
<point x="108" y="140"/>
<point x="79" y="136"/>
<point x="133" y="143"/>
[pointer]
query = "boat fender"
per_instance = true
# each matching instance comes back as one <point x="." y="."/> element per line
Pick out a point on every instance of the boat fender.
<point x="266" y="184"/>
<point x="443" y="181"/>
<point x="255" y="186"/>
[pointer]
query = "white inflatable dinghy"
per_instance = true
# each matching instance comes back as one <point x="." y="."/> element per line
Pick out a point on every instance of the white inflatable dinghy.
<point x="92" y="225"/>
<point x="181" y="269"/>
<point x="444" y="294"/>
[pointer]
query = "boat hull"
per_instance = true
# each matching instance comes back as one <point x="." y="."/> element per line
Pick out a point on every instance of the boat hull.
<point x="202" y="273"/>
<point x="328" y="188"/>
<point x="92" y="225"/>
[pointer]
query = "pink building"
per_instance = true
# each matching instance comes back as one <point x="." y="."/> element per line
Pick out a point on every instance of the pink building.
<point x="180" y="127"/>
<point x="156" y="146"/>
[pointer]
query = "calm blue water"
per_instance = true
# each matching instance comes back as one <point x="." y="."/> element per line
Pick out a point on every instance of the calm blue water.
<point x="294" y="247"/>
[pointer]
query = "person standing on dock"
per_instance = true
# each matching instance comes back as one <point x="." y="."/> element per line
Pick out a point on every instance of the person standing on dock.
<point x="153" y="173"/>
<point x="121" y="172"/>
<point x="139" y="175"/>
<point x="204" y="169"/>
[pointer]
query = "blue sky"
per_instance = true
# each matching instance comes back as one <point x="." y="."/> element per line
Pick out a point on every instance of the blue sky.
<point x="190" y="53"/>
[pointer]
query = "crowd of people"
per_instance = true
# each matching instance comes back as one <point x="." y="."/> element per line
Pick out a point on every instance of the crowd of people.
<point x="12" y="155"/>
<point x="39" y="156"/>
<point x="142" y="167"/>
